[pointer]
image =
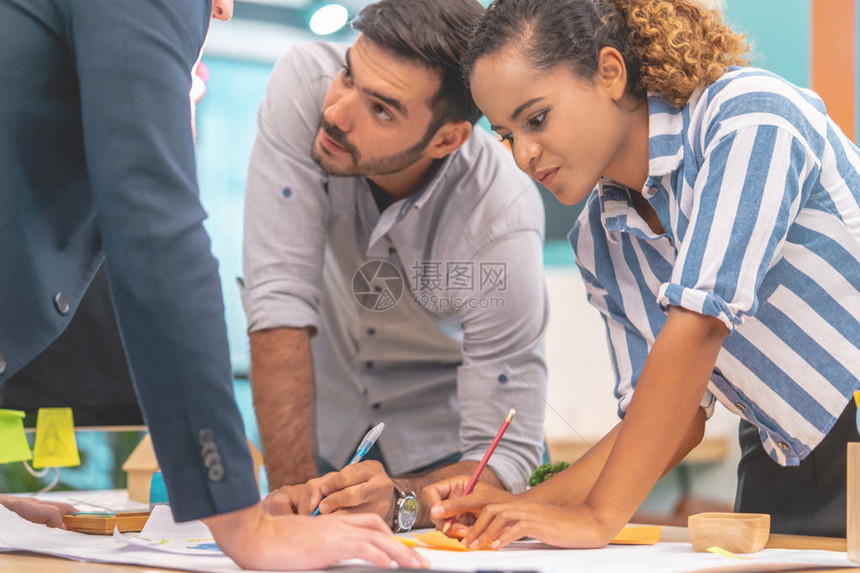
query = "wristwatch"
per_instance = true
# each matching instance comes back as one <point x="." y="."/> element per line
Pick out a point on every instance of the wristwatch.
<point x="405" y="509"/>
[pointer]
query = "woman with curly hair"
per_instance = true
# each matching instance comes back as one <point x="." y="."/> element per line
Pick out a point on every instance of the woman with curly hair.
<point x="720" y="241"/>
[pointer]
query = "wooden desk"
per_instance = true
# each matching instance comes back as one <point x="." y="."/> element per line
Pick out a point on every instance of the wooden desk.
<point x="44" y="564"/>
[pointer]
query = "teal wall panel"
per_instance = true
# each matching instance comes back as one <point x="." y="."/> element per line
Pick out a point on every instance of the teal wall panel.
<point x="226" y="127"/>
<point x="780" y="34"/>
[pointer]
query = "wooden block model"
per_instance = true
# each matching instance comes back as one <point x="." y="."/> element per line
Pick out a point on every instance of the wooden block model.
<point x="734" y="532"/>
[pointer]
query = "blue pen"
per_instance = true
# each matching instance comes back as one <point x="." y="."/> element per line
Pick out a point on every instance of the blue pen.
<point x="364" y="447"/>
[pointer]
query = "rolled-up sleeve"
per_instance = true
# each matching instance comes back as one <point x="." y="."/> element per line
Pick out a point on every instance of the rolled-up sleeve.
<point x="503" y="358"/>
<point x="628" y="350"/>
<point x="749" y="190"/>
<point x="286" y="205"/>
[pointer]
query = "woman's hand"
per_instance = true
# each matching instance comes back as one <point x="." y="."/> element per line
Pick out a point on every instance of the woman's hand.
<point x="570" y="527"/>
<point x="445" y="499"/>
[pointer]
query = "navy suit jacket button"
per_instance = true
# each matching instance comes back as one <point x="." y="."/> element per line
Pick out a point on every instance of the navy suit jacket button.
<point x="216" y="472"/>
<point x="211" y="457"/>
<point x="61" y="304"/>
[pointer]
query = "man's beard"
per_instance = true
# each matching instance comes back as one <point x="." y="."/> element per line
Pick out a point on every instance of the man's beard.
<point x="374" y="166"/>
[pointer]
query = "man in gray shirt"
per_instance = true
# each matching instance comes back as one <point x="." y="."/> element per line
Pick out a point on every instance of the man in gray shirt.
<point x="379" y="220"/>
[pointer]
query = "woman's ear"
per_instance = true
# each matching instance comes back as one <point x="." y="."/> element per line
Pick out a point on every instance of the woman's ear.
<point x="449" y="138"/>
<point x="611" y="73"/>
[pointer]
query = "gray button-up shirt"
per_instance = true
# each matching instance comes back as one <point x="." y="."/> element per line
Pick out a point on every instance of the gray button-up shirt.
<point x="431" y="315"/>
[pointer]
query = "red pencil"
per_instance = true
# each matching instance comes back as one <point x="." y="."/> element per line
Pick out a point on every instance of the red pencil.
<point x="471" y="485"/>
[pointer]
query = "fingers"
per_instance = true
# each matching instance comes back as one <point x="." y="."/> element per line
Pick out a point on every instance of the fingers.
<point x="457" y="530"/>
<point x="364" y="497"/>
<point x="363" y="487"/>
<point x="365" y="520"/>
<point x="309" y="498"/>
<point x="279" y="502"/>
<point x="299" y="499"/>
<point x="65" y="508"/>
<point x="492" y="522"/>
<point x="517" y="531"/>
<point x="404" y="556"/>
<point x="350" y="475"/>
<point x="38" y="511"/>
<point x="367" y="537"/>
<point x="383" y="553"/>
<point x="453" y="507"/>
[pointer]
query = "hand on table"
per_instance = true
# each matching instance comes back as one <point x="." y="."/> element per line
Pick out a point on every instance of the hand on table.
<point x="38" y="511"/>
<point x="445" y="499"/>
<point x="569" y="527"/>
<point x="255" y="539"/>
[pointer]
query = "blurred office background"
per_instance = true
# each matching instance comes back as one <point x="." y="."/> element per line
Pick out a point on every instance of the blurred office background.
<point x="812" y="43"/>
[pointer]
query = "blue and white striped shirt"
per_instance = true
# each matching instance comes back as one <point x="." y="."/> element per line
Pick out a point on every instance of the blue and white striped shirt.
<point x="759" y="193"/>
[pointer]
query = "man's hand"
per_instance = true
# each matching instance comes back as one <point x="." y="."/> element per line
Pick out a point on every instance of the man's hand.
<point x="255" y="539"/>
<point x="573" y="527"/>
<point x="362" y="487"/>
<point x="38" y="511"/>
<point x="301" y="499"/>
<point x="445" y="499"/>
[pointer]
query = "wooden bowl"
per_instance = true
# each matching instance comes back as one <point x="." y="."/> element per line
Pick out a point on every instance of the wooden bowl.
<point x="735" y="532"/>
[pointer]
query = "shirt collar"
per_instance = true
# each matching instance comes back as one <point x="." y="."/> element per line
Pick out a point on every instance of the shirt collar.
<point x="428" y="188"/>
<point x="665" y="135"/>
<point x="666" y="131"/>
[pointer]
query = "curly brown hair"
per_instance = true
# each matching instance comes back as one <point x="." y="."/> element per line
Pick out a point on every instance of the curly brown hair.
<point x="670" y="47"/>
<point x="681" y="45"/>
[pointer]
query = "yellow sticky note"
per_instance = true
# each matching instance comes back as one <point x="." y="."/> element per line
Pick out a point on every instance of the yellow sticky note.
<point x="720" y="551"/>
<point x="638" y="535"/>
<point x="406" y="541"/>
<point x="438" y="540"/>
<point x="13" y="442"/>
<point x="55" y="439"/>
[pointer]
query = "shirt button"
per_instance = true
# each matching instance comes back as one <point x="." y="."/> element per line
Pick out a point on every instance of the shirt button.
<point x="61" y="304"/>
<point x="2" y="364"/>
<point x="371" y="331"/>
<point x="741" y="406"/>
<point x="783" y="446"/>
<point x="368" y="364"/>
<point x="503" y="379"/>
<point x="288" y="192"/>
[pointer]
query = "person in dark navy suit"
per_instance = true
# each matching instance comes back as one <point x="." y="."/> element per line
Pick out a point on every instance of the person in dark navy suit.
<point x="97" y="164"/>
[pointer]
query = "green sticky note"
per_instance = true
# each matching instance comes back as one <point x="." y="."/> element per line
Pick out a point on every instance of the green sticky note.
<point x="55" y="439"/>
<point x="13" y="442"/>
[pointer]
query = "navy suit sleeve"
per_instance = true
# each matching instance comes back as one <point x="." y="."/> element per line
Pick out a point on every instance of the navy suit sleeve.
<point x="133" y="61"/>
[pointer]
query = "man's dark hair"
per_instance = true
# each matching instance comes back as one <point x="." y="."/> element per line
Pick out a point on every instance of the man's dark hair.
<point x="434" y="33"/>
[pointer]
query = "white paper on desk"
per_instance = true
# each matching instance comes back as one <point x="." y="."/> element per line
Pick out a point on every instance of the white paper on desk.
<point x="660" y="558"/>
<point x="16" y="534"/>
<point x="163" y="533"/>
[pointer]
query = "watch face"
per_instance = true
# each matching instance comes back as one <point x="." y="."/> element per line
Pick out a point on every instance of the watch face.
<point x="408" y="512"/>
